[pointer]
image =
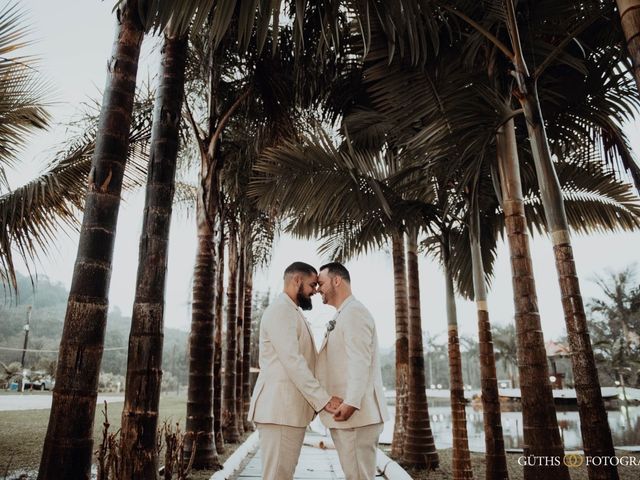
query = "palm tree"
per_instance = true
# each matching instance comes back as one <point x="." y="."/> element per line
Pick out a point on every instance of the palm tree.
<point x="596" y="433"/>
<point x="230" y="428"/>
<point x="628" y="10"/>
<point x="418" y="449"/>
<point x="496" y="461"/>
<point x="246" y="347"/>
<point x="537" y="399"/>
<point x="402" y="343"/>
<point x="67" y="451"/>
<point x="144" y="361"/>
<point x="240" y="326"/>
<point x="200" y="422"/>
<point x="217" y="357"/>
<point x="441" y="244"/>
<point x="498" y="14"/>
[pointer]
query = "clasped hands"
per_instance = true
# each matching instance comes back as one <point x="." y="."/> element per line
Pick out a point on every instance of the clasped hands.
<point x="341" y="411"/>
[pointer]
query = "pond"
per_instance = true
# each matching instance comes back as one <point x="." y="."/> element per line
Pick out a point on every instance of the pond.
<point x="625" y="427"/>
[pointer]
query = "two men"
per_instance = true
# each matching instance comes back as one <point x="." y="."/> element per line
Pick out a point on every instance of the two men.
<point x="287" y="395"/>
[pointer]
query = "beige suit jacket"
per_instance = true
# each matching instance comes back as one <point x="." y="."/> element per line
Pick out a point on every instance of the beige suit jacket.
<point x="349" y="366"/>
<point x="286" y="391"/>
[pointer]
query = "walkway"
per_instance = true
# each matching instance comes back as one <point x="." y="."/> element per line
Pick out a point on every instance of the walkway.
<point x="41" y="401"/>
<point x="314" y="463"/>
<point x="318" y="460"/>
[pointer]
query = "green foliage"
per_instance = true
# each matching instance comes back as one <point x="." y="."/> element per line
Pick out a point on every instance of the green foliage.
<point x="49" y="301"/>
<point x="614" y="326"/>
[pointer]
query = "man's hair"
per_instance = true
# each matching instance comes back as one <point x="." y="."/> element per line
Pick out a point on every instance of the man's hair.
<point x="336" y="268"/>
<point x="300" y="267"/>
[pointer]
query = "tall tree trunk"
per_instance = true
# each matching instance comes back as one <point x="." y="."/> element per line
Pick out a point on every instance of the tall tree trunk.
<point x="68" y="445"/>
<point x="419" y="446"/>
<point x="541" y="434"/>
<point x="229" y="418"/>
<point x="461" y="462"/>
<point x="246" y="362"/>
<point x="402" y="344"/>
<point x="630" y="19"/>
<point x="240" y="330"/>
<point x="144" y="361"/>
<point x="217" y="340"/>
<point x="594" y="424"/>
<point x="201" y="342"/>
<point x="495" y="457"/>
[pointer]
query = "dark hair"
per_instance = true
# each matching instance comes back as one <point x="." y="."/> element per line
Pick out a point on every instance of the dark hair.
<point x="336" y="268"/>
<point x="300" y="267"/>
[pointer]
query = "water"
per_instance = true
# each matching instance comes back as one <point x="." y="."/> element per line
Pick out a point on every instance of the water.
<point x="625" y="427"/>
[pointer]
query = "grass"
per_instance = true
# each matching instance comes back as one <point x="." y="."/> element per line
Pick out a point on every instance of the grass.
<point x="515" y="470"/>
<point x="22" y="433"/>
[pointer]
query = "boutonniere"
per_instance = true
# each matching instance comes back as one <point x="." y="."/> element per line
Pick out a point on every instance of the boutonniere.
<point x="331" y="324"/>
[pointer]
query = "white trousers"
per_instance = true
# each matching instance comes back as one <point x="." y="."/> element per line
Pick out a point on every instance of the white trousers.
<point x="357" y="450"/>
<point x="280" y="447"/>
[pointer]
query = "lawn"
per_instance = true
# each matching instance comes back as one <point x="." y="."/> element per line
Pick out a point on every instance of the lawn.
<point x="22" y="433"/>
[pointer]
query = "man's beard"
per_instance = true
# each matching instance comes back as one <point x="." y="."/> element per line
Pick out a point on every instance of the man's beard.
<point x="304" y="302"/>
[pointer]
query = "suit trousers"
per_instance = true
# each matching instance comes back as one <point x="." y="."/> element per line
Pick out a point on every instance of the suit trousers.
<point x="280" y="447"/>
<point x="357" y="450"/>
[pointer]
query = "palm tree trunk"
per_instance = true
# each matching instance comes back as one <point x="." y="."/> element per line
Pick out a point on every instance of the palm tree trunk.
<point x="201" y="341"/>
<point x="496" y="460"/>
<point x="240" y="331"/>
<point x="630" y="19"/>
<point x="541" y="434"/>
<point x="419" y="446"/>
<point x="68" y="445"/>
<point x="229" y="418"/>
<point x="461" y="462"/>
<point x="246" y="362"/>
<point x="402" y="344"/>
<point x="594" y="424"/>
<point x="144" y="361"/>
<point x="217" y="339"/>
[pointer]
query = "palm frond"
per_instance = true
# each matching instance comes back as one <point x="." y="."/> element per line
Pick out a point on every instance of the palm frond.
<point x="23" y="91"/>
<point x="34" y="214"/>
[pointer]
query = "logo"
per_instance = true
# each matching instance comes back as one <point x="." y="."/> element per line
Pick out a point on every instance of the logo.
<point x="573" y="460"/>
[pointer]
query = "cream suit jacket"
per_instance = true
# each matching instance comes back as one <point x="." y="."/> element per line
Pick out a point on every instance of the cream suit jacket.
<point x="286" y="391"/>
<point x="349" y="366"/>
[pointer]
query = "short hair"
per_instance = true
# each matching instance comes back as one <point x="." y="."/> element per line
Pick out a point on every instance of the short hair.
<point x="300" y="267"/>
<point x="336" y="268"/>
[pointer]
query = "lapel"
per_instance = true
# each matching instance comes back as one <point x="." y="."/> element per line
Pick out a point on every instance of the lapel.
<point x="301" y="317"/>
<point x="306" y="324"/>
<point x="324" y="341"/>
<point x="335" y="317"/>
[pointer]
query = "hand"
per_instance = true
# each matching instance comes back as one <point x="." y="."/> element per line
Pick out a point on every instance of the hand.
<point x="333" y="404"/>
<point x="344" y="413"/>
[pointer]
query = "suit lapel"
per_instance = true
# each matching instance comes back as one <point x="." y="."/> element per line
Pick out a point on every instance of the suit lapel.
<point x="324" y="341"/>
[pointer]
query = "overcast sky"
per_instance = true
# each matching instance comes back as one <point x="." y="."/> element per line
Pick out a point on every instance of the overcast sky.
<point x="73" y="40"/>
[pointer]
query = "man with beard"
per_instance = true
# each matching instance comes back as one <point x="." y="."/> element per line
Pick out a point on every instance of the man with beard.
<point x="348" y="366"/>
<point x="287" y="395"/>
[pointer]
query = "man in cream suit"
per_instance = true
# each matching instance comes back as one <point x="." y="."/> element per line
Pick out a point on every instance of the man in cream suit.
<point x="287" y="395"/>
<point x="349" y="367"/>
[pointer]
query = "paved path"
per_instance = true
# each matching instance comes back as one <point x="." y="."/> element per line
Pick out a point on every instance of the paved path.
<point x="314" y="463"/>
<point x="27" y="401"/>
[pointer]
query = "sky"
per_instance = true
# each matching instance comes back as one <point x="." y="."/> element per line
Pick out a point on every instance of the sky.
<point x="73" y="56"/>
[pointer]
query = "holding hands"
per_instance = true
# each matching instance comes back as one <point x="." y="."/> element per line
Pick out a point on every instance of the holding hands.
<point x="344" y="413"/>
<point x="341" y="411"/>
<point x="333" y="405"/>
